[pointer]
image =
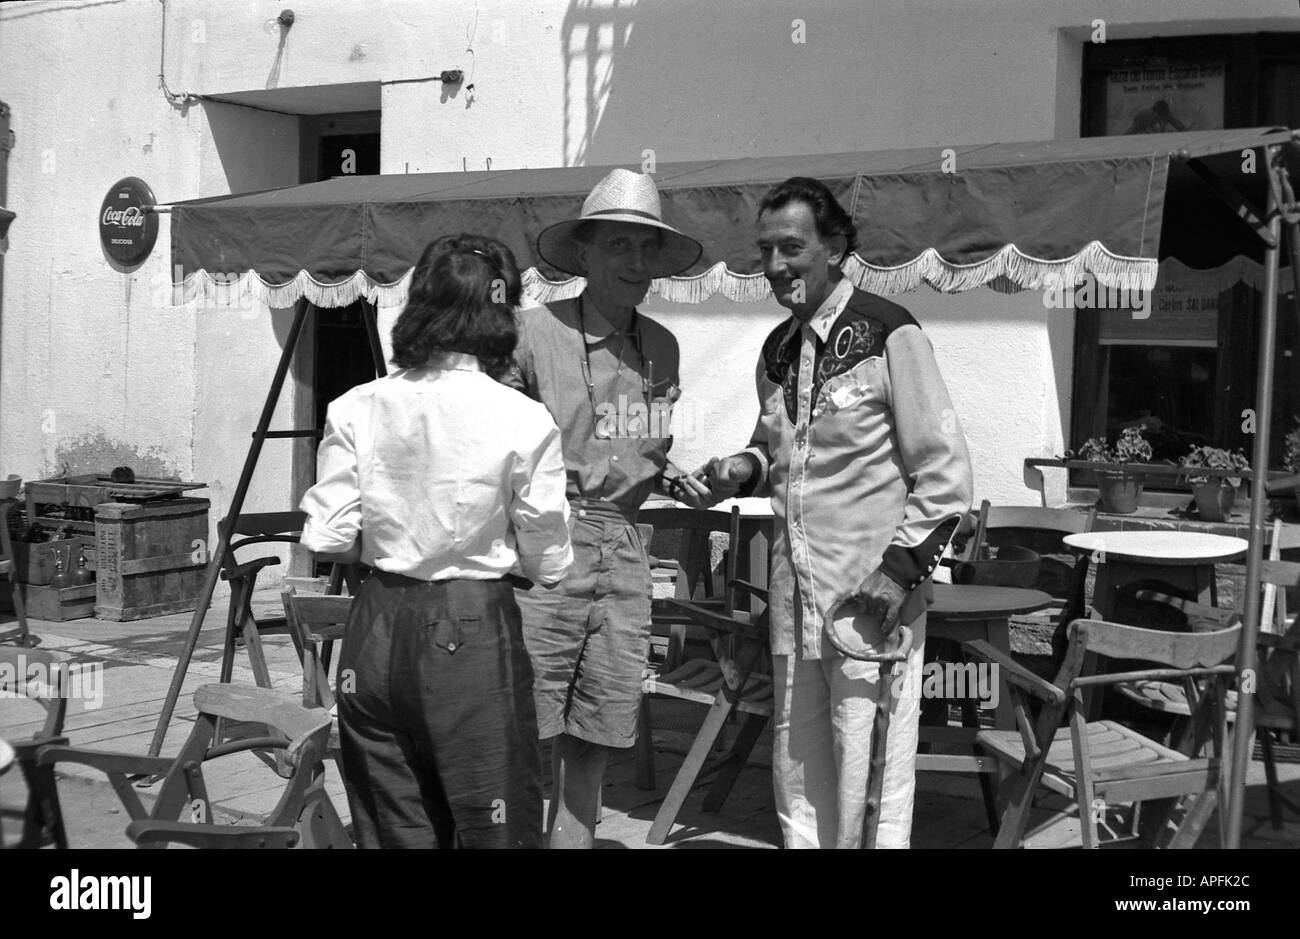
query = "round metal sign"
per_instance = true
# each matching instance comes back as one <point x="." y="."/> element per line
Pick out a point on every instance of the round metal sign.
<point x="127" y="230"/>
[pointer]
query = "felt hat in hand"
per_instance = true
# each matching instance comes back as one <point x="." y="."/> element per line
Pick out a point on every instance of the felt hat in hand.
<point x="856" y="633"/>
<point x="622" y="196"/>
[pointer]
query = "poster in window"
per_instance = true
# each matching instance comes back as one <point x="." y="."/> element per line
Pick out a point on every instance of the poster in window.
<point x="1164" y="99"/>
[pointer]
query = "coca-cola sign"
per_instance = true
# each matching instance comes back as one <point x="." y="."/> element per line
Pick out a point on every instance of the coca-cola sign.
<point x="127" y="229"/>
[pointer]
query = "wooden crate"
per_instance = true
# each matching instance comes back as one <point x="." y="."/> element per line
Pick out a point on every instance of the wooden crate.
<point x="33" y="563"/>
<point x="48" y="603"/>
<point x="150" y="557"/>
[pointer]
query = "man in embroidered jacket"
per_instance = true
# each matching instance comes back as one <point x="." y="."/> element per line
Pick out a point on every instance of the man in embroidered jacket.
<point x="864" y="459"/>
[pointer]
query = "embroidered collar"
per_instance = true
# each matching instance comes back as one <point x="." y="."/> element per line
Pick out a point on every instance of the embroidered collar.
<point x="831" y="308"/>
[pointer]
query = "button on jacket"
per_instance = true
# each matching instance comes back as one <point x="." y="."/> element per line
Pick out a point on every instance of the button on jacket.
<point x="445" y="473"/>
<point x="862" y="453"/>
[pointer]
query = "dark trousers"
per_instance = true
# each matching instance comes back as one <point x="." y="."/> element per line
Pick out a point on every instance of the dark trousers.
<point x="436" y="718"/>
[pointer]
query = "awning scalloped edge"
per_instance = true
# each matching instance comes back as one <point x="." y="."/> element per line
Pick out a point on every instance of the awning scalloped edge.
<point x="1007" y="271"/>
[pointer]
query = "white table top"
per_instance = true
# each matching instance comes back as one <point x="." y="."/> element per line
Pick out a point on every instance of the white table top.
<point x="1166" y="547"/>
<point x="6" y="756"/>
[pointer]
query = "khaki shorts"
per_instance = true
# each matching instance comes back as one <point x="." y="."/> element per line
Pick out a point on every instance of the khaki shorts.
<point x="589" y="638"/>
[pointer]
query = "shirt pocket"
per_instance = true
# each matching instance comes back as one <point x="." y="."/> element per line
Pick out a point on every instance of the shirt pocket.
<point x="851" y="391"/>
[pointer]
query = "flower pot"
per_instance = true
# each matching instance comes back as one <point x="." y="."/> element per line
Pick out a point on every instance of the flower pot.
<point x="1214" y="500"/>
<point x="1119" y="492"/>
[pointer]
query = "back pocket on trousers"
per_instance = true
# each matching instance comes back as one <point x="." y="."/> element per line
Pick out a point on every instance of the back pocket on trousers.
<point x="451" y="634"/>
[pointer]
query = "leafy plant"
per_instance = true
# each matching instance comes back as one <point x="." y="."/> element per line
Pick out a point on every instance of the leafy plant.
<point x="1292" y="459"/>
<point x="1216" y="458"/>
<point x="1131" y="447"/>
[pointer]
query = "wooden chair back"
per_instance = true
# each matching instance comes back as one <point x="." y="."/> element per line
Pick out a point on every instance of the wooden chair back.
<point x="41" y="817"/>
<point x="692" y="530"/>
<point x="8" y="568"/>
<point x="317" y="620"/>
<point x="1027" y="528"/>
<point x="692" y="570"/>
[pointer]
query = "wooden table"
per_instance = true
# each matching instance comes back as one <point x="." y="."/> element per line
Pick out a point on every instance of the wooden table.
<point x="963" y="613"/>
<point x="1184" y="560"/>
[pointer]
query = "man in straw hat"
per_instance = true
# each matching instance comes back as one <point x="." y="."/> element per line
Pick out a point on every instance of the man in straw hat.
<point x="608" y="375"/>
<point x="860" y="450"/>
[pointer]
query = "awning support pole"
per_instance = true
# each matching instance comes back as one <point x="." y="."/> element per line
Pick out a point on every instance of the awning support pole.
<point x="1243" y="733"/>
<point x="224" y="530"/>
<point x="370" y="316"/>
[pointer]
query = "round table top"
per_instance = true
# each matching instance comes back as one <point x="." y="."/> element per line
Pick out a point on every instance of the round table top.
<point x="968" y="600"/>
<point x="6" y="755"/>
<point x="1165" y="547"/>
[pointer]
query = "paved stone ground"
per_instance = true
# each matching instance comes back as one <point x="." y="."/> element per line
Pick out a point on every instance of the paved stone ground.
<point x="139" y="660"/>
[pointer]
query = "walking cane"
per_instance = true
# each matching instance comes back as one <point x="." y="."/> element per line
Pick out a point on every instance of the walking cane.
<point x="893" y="654"/>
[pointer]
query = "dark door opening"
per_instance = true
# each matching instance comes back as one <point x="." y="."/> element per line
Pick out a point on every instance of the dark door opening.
<point x="338" y="145"/>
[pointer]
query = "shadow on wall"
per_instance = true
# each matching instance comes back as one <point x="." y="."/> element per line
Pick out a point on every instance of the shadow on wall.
<point x="593" y="34"/>
<point x="255" y="149"/>
<point x="99" y="454"/>
<point x="692" y="81"/>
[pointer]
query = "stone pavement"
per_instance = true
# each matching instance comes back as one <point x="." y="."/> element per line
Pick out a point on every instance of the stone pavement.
<point x="139" y="659"/>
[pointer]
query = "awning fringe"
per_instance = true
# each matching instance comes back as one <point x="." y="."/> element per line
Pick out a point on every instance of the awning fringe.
<point x="1007" y="271"/>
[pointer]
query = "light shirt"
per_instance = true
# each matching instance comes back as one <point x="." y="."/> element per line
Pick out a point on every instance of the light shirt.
<point x="860" y="449"/>
<point x="616" y="430"/>
<point x="444" y="473"/>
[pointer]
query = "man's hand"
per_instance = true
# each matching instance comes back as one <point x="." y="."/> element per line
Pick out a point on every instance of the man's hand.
<point x="724" y="477"/>
<point x="882" y="598"/>
<point x="692" y="491"/>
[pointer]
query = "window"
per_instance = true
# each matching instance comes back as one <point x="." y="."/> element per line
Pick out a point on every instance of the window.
<point x="1186" y="372"/>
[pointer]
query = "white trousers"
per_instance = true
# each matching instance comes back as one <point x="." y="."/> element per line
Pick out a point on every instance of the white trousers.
<point x="825" y="709"/>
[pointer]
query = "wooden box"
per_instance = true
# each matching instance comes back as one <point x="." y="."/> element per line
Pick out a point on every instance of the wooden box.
<point x="47" y="603"/>
<point x="34" y="564"/>
<point x="150" y="557"/>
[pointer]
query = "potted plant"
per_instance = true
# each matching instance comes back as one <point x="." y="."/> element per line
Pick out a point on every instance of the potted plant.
<point x="1119" y="487"/>
<point x="1215" y="495"/>
<point x="1291" y="461"/>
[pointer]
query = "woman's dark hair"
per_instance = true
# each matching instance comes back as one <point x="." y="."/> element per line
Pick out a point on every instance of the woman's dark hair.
<point x="828" y="215"/>
<point x="462" y="297"/>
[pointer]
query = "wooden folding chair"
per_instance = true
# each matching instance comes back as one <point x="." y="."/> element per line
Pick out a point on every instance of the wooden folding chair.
<point x="1277" y="686"/>
<point x="241" y="625"/>
<point x="42" y="820"/>
<point x="9" y="569"/>
<point x="183" y="812"/>
<point x="688" y="532"/>
<point x="1098" y="765"/>
<point x="318" y="621"/>
<point x="1060" y="572"/>
<point x="735" y="682"/>
<point x="691" y="570"/>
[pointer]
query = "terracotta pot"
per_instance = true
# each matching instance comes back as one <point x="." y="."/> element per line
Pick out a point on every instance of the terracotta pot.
<point x="1119" y="492"/>
<point x="1214" y="500"/>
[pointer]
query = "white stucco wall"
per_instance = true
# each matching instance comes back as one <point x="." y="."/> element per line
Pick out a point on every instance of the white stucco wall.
<point x="95" y="372"/>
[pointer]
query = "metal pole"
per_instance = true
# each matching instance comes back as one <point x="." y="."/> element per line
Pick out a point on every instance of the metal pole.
<point x="370" y="317"/>
<point x="224" y="531"/>
<point x="1243" y="734"/>
<point x="4" y="195"/>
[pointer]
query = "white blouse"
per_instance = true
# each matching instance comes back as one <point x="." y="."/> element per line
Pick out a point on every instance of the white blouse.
<point x="444" y="473"/>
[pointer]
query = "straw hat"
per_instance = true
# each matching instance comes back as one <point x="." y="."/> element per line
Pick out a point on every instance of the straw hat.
<point x="622" y="196"/>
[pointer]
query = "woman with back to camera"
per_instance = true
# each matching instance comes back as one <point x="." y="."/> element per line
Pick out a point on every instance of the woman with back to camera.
<point x="449" y="484"/>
